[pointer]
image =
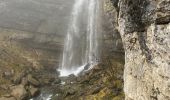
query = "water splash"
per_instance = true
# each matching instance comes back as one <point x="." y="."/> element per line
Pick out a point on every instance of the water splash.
<point x="81" y="44"/>
<point x="43" y="96"/>
<point x="67" y="72"/>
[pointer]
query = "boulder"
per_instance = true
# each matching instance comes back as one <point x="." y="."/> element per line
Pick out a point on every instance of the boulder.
<point x="86" y="67"/>
<point x="57" y="81"/>
<point x="72" y="77"/>
<point x="19" y="92"/>
<point x="33" y="81"/>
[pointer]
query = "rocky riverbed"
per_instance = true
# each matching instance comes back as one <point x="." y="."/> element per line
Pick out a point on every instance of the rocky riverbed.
<point x="102" y="82"/>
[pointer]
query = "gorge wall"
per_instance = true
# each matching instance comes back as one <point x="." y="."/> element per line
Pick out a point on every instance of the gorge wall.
<point x="145" y="32"/>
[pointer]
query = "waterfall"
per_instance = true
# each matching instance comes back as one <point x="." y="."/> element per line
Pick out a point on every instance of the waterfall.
<point x="81" y="46"/>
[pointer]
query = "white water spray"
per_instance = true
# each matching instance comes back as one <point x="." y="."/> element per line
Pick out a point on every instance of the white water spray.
<point x="81" y="45"/>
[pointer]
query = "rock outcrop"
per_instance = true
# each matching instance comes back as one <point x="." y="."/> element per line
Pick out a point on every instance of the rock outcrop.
<point x="144" y="26"/>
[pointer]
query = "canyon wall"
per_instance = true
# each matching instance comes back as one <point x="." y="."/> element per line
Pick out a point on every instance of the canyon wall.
<point x="145" y="32"/>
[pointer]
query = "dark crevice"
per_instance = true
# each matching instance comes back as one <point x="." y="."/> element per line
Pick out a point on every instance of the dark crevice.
<point x="163" y="20"/>
<point x="142" y="42"/>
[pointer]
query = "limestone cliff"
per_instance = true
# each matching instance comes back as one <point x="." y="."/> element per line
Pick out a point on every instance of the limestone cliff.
<point x="145" y="30"/>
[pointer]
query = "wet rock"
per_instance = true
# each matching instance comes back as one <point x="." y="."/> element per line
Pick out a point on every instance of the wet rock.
<point x="51" y="79"/>
<point x="86" y="67"/>
<point x="69" y="79"/>
<point x="72" y="77"/>
<point x="19" y="92"/>
<point x="33" y="81"/>
<point x="34" y="91"/>
<point x="70" y="92"/>
<point x="57" y="81"/>
<point x="47" y="81"/>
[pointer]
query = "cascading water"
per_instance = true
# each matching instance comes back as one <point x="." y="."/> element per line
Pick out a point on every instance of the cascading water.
<point x="81" y="46"/>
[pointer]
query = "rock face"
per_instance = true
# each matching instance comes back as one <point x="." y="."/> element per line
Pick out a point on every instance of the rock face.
<point x="145" y="30"/>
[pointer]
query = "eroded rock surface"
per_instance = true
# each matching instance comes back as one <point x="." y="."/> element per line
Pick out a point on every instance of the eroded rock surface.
<point x="144" y="26"/>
